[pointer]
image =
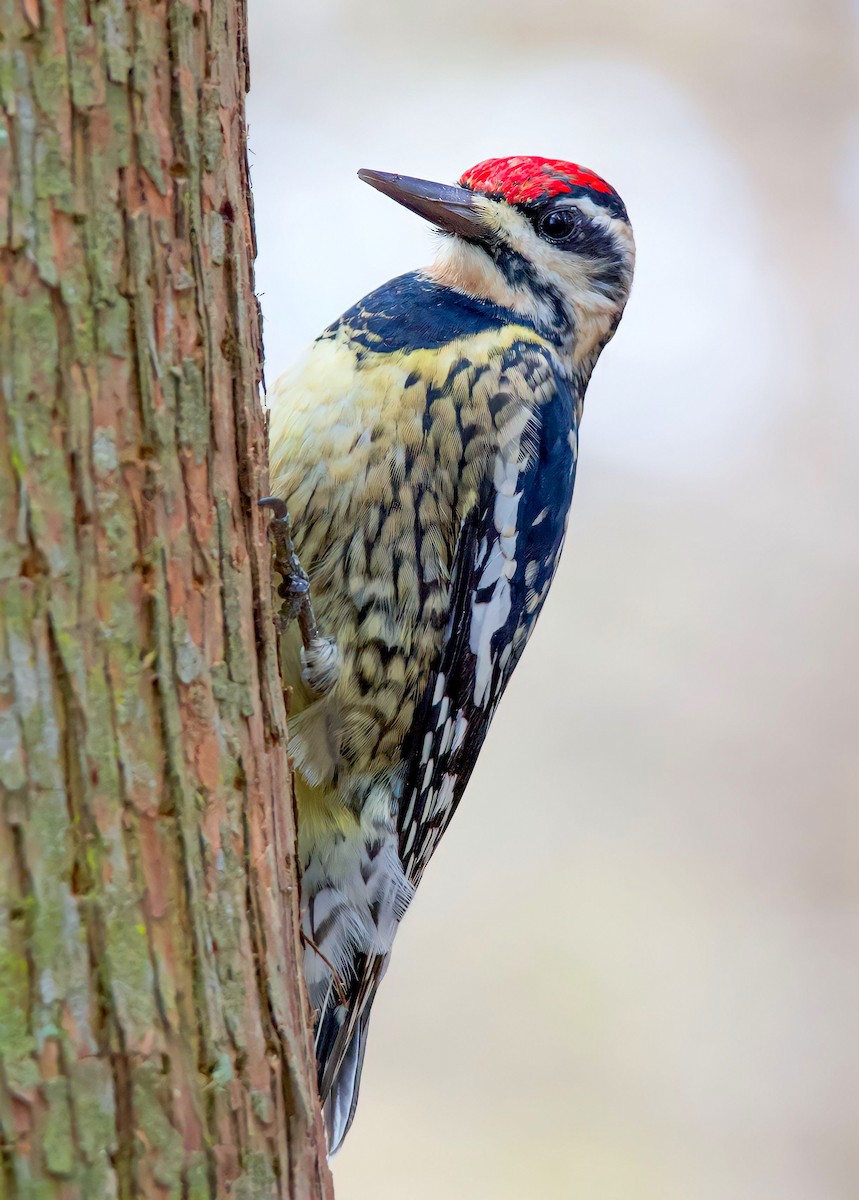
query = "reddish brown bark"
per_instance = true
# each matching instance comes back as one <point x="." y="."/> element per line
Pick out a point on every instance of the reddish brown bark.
<point x="153" y="1026"/>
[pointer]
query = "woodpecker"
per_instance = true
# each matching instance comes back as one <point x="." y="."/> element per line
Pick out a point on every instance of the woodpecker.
<point x="426" y="450"/>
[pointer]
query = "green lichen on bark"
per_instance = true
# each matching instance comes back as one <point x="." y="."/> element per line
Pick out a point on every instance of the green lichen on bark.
<point x="153" y="1033"/>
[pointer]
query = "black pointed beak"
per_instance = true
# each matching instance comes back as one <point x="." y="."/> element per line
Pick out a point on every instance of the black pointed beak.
<point x="452" y="209"/>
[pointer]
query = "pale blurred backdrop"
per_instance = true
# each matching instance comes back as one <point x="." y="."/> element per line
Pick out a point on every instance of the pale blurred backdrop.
<point x="632" y="970"/>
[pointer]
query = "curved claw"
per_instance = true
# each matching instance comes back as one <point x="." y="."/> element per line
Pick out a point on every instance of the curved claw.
<point x="276" y="505"/>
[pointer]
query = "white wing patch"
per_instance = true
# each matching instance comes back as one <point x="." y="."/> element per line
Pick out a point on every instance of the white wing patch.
<point x="459" y="730"/>
<point x="498" y="561"/>
<point x="443" y="797"/>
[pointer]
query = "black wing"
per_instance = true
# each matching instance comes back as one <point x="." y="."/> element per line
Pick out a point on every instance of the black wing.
<point x="506" y="557"/>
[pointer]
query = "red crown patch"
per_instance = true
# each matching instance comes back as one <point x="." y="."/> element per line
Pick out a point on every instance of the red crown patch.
<point x="518" y="180"/>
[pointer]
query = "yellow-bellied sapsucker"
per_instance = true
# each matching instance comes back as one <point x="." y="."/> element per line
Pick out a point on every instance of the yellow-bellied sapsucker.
<point x="426" y="449"/>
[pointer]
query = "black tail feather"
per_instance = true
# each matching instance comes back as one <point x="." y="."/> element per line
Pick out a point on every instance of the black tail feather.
<point x="341" y="1040"/>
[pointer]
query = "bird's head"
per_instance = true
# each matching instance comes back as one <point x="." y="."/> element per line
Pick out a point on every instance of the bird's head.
<point x="548" y="239"/>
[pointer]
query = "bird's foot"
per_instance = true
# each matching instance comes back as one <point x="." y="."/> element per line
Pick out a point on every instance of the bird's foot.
<point x="320" y="657"/>
<point x="294" y="587"/>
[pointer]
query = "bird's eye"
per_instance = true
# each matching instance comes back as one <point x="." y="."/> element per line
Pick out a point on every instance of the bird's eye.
<point x="560" y="225"/>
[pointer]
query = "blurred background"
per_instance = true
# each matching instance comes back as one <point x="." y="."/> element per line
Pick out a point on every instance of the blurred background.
<point x="632" y="969"/>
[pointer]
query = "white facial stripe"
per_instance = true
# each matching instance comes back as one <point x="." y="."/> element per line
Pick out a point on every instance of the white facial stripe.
<point x="470" y="269"/>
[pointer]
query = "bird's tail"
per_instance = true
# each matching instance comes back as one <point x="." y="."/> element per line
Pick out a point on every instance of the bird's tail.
<point x="354" y="893"/>
<point x="341" y="1039"/>
<point x="341" y="1098"/>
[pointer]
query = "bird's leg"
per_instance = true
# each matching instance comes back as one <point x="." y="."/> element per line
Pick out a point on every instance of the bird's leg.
<point x="294" y="588"/>
<point x="319" y="655"/>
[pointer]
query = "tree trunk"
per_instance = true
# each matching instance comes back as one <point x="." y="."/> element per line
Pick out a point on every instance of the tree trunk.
<point x="154" y="1037"/>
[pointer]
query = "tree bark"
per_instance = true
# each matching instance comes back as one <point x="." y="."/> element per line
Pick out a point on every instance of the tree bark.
<point x="154" y="1036"/>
